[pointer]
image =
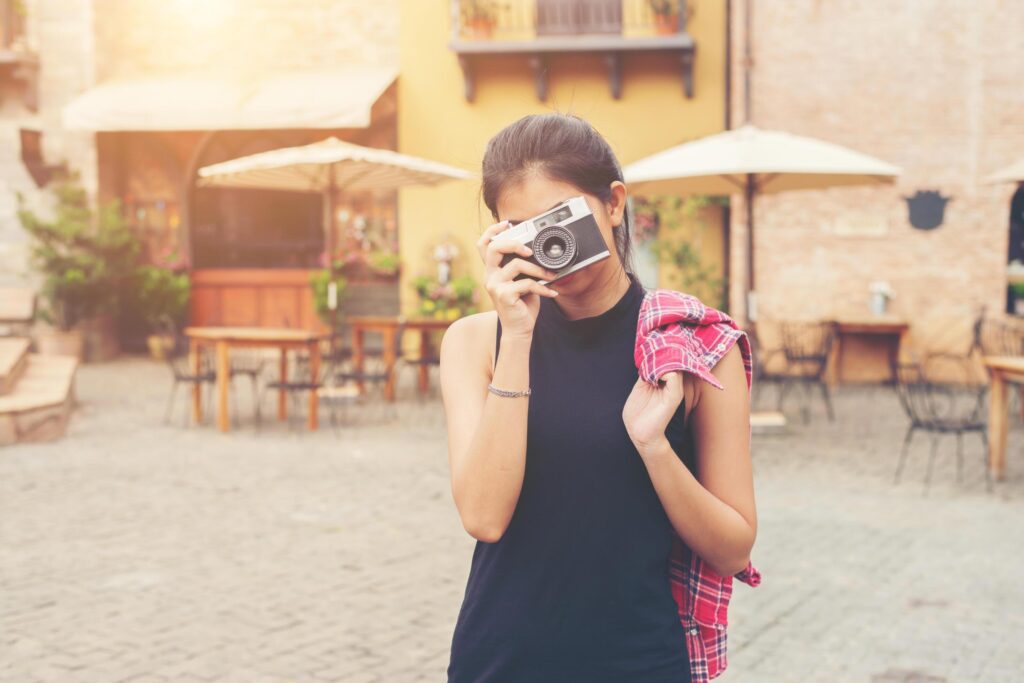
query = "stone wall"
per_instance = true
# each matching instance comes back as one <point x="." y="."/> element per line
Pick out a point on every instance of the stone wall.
<point x="932" y="86"/>
<point x="59" y="32"/>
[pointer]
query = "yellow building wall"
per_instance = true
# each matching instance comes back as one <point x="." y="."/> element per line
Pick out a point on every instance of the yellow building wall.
<point x="435" y="121"/>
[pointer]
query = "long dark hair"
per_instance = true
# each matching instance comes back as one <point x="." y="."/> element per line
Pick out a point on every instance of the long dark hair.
<point x="562" y="147"/>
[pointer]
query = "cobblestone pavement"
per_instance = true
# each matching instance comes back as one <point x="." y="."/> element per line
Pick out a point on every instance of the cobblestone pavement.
<point x="134" y="551"/>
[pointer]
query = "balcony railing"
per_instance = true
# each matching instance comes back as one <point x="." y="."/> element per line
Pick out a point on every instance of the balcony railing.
<point x="540" y="29"/>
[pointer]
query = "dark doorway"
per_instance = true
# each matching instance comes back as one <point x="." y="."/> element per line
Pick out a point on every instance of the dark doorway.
<point x="251" y="228"/>
<point x="1015" y="252"/>
<point x="241" y="228"/>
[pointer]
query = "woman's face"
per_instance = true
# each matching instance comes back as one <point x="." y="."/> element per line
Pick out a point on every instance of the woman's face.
<point x="537" y="193"/>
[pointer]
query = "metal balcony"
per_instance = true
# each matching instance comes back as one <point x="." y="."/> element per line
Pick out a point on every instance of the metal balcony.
<point x="541" y="30"/>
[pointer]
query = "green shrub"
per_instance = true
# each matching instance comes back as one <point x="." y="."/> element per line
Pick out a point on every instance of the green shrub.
<point x="319" y="282"/>
<point x="87" y="258"/>
<point x="162" y="297"/>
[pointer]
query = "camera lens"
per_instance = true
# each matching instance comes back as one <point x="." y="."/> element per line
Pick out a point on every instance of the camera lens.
<point x="554" y="248"/>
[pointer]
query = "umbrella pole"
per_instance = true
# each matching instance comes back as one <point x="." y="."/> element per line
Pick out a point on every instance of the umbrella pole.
<point x="750" y="303"/>
<point x="329" y="223"/>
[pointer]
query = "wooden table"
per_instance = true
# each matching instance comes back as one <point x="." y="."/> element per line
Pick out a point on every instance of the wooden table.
<point x="387" y="326"/>
<point x="223" y="338"/>
<point x="887" y="327"/>
<point x="1002" y="369"/>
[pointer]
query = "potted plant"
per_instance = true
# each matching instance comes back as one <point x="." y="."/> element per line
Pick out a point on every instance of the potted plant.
<point x="320" y="283"/>
<point x="85" y="258"/>
<point x="479" y="18"/>
<point x="881" y="295"/>
<point x="163" y="299"/>
<point x="384" y="262"/>
<point x="666" y="16"/>
<point x="1018" y="297"/>
<point x="448" y="301"/>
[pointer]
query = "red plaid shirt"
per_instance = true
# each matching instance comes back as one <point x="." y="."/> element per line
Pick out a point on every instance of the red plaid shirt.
<point x="675" y="331"/>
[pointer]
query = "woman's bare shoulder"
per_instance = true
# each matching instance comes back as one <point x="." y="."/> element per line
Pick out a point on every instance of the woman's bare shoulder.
<point x="475" y="336"/>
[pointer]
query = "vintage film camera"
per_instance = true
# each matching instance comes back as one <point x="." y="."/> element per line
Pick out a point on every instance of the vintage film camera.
<point x="563" y="240"/>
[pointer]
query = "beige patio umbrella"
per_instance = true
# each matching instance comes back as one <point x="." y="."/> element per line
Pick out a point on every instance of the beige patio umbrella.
<point x="327" y="167"/>
<point x="1011" y="174"/>
<point x="755" y="161"/>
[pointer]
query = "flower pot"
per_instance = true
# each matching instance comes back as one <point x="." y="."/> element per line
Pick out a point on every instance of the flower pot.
<point x="480" y="29"/>
<point x="53" y="342"/>
<point x="666" y="24"/>
<point x="160" y="345"/>
<point x="100" y="338"/>
<point x="879" y="303"/>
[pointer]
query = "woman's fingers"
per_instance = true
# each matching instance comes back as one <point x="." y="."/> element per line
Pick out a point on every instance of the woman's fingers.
<point x="508" y="292"/>
<point x="521" y="266"/>
<point x="487" y="239"/>
<point x="497" y="249"/>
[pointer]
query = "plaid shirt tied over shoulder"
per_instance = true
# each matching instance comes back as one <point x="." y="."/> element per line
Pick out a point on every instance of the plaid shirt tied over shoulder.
<point x="676" y="331"/>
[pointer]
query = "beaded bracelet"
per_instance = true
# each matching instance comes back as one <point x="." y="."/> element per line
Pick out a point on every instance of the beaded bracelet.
<point x="504" y="392"/>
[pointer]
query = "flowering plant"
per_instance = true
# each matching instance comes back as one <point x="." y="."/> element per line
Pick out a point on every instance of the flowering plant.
<point x="320" y="282"/>
<point x="450" y="300"/>
<point x="882" y="288"/>
<point x="645" y="219"/>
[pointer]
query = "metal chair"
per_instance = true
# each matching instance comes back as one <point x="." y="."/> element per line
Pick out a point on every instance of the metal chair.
<point x="806" y="347"/>
<point x="182" y="372"/>
<point x="249" y="363"/>
<point x="298" y="381"/>
<point x="762" y="357"/>
<point x="1002" y="336"/>
<point x="374" y="372"/>
<point x="998" y="337"/>
<point x="415" y="361"/>
<point x="942" y="396"/>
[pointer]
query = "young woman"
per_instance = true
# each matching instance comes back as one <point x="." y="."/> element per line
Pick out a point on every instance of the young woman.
<point x="574" y="489"/>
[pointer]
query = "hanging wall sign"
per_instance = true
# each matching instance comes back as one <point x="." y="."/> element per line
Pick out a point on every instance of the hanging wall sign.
<point x="927" y="209"/>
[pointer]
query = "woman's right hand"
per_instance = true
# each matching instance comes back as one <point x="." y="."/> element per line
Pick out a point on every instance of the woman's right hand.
<point x="517" y="302"/>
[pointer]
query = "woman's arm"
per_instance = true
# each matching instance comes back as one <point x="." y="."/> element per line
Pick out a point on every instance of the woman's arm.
<point x="486" y="433"/>
<point x="713" y="512"/>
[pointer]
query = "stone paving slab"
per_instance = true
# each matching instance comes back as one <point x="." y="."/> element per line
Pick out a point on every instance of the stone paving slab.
<point x="135" y="551"/>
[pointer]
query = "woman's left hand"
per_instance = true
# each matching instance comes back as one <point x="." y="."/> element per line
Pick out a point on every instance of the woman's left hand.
<point x="648" y="410"/>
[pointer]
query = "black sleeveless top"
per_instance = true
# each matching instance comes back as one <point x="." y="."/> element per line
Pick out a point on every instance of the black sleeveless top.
<point x="577" y="588"/>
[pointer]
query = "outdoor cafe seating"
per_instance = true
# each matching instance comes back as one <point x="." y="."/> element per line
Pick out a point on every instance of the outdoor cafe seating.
<point x="338" y="377"/>
<point x="184" y="373"/>
<point x="943" y="395"/>
<point x="244" y="362"/>
<point x="806" y="346"/>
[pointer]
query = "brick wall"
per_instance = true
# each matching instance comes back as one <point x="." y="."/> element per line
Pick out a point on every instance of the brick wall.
<point x="932" y="86"/>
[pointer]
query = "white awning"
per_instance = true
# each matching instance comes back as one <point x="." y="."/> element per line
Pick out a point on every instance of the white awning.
<point x="339" y="98"/>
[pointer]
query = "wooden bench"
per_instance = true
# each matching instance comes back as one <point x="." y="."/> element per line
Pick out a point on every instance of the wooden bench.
<point x="13" y="361"/>
<point x="17" y="304"/>
<point x="40" y="402"/>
